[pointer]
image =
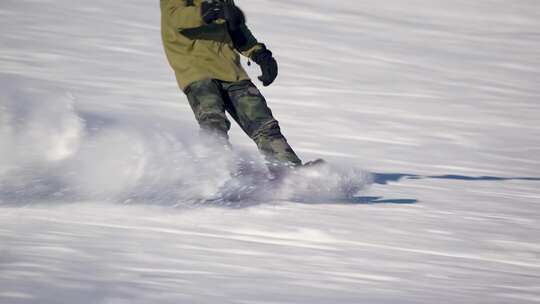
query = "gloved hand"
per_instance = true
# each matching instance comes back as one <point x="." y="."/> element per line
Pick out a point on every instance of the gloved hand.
<point x="268" y="66"/>
<point x="211" y="10"/>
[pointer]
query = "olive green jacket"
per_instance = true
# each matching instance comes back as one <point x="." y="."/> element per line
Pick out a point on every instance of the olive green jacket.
<point x="210" y="57"/>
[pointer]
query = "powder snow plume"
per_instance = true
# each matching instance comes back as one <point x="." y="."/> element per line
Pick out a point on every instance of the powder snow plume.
<point x="51" y="151"/>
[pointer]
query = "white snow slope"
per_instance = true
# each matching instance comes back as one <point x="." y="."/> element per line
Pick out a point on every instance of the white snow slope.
<point x="102" y="175"/>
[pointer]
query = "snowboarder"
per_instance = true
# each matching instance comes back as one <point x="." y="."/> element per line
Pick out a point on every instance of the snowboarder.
<point x="202" y="41"/>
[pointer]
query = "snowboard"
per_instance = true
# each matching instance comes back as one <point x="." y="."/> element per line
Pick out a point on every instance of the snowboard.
<point x="313" y="163"/>
<point x="249" y="185"/>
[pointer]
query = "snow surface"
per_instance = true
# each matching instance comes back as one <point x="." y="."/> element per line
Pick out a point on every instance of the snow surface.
<point x="107" y="196"/>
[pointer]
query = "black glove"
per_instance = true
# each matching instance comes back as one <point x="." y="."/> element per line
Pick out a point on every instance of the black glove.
<point x="211" y="10"/>
<point x="268" y="66"/>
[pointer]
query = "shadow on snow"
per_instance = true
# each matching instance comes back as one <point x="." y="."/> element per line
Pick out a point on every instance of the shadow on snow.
<point x="385" y="178"/>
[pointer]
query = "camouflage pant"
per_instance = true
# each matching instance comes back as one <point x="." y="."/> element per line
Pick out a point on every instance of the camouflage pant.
<point x="210" y="99"/>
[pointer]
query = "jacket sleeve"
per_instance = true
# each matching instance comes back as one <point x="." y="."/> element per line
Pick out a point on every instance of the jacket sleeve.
<point x="185" y="18"/>
<point x="244" y="41"/>
<point x="180" y="14"/>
